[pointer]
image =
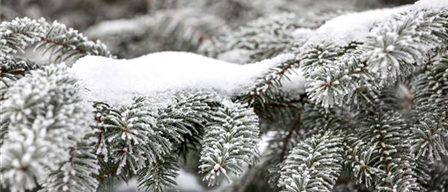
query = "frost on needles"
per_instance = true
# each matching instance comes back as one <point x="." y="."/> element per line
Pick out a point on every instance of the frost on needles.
<point x="366" y="111"/>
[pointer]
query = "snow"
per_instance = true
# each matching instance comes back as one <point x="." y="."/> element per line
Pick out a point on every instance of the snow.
<point x="431" y="4"/>
<point x="163" y="74"/>
<point x="351" y="27"/>
<point x="188" y="182"/>
<point x="356" y="26"/>
<point x="185" y="182"/>
<point x="264" y="142"/>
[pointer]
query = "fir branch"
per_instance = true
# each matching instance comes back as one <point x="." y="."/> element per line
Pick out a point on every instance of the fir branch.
<point x="318" y="56"/>
<point x="45" y="118"/>
<point x="438" y="176"/>
<point x="185" y="118"/>
<point x="281" y="112"/>
<point x="293" y="127"/>
<point x="314" y="164"/>
<point x="230" y="142"/>
<point x="386" y="131"/>
<point x="358" y="70"/>
<point x="3" y="131"/>
<point x="346" y="83"/>
<point x="428" y="138"/>
<point x="392" y="48"/>
<point x="272" y="156"/>
<point x="317" y="119"/>
<point x="159" y="176"/>
<point x="18" y="34"/>
<point x="11" y="70"/>
<point x="264" y="89"/>
<point x="431" y="87"/>
<point x="144" y="137"/>
<point x="131" y="137"/>
<point x="77" y="174"/>
<point x="360" y="161"/>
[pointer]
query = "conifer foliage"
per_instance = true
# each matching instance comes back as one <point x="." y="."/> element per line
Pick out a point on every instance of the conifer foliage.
<point x="373" y="115"/>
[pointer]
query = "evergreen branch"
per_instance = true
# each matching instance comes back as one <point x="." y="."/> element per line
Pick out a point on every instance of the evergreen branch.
<point x="346" y="83"/>
<point x="11" y="70"/>
<point x="386" y="131"/>
<point x="266" y="86"/>
<point x="18" y="34"/>
<point x="281" y="112"/>
<point x="278" y="147"/>
<point x="431" y="87"/>
<point x="182" y="122"/>
<point x="427" y="138"/>
<point x="313" y="165"/>
<point x="318" y="56"/>
<point x="392" y="47"/>
<point x="317" y="119"/>
<point x="131" y="137"/>
<point x="185" y="118"/>
<point x="159" y="176"/>
<point x="313" y="119"/>
<point x="45" y="118"/>
<point x="142" y="138"/>
<point x="3" y="131"/>
<point x="438" y="176"/>
<point x="296" y="124"/>
<point x="273" y="156"/>
<point x="358" y="70"/>
<point x="77" y="174"/>
<point x="360" y="159"/>
<point x="230" y="142"/>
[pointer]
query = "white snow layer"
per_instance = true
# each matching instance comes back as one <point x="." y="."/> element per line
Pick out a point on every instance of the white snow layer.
<point x="350" y="27"/>
<point x="356" y="26"/>
<point x="117" y="81"/>
<point x="431" y="3"/>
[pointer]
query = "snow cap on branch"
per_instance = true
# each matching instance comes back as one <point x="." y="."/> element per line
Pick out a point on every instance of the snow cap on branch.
<point x="116" y="81"/>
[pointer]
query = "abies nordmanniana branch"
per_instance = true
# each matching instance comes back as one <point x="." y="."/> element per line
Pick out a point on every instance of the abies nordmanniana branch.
<point x="61" y="43"/>
<point x="45" y="134"/>
<point x="373" y="117"/>
<point x="139" y="140"/>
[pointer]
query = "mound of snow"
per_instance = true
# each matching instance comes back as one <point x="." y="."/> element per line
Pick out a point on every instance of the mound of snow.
<point x="351" y="27"/>
<point x="431" y="4"/>
<point x="356" y="26"/>
<point x="118" y="81"/>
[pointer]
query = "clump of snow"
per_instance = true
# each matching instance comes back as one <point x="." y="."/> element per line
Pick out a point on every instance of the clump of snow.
<point x="188" y="182"/>
<point x="115" y="27"/>
<point x="118" y="81"/>
<point x="296" y="83"/>
<point x="356" y="26"/>
<point x="264" y="143"/>
<point x="351" y="27"/>
<point x="431" y="4"/>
